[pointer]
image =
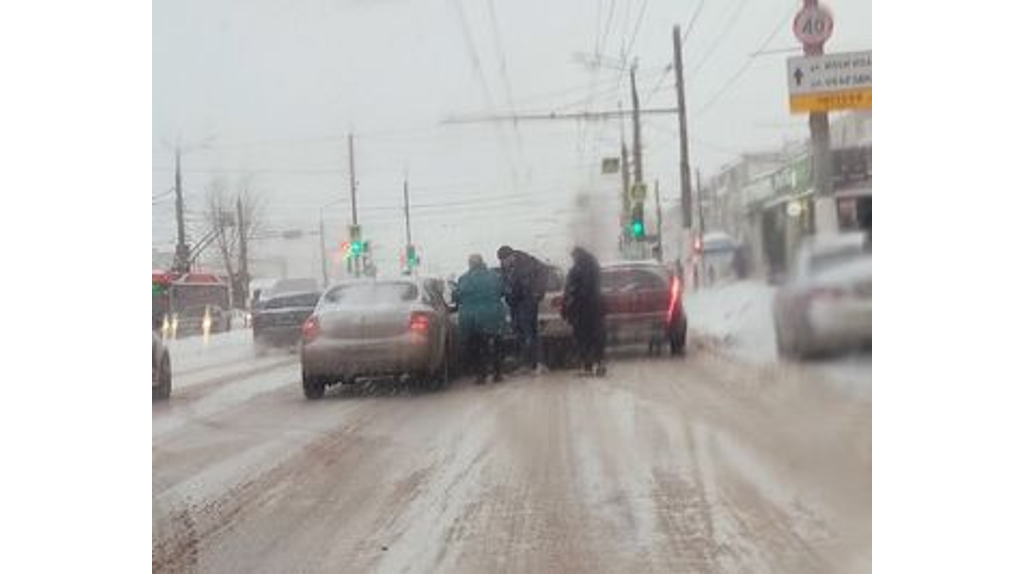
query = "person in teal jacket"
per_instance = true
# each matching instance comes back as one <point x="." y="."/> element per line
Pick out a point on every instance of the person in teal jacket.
<point x="478" y="297"/>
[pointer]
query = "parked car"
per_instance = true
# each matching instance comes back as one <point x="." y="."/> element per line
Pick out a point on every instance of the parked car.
<point x="161" y="369"/>
<point x="825" y="303"/>
<point x="266" y="289"/>
<point x="644" y="305"/>
<point x="378" y="328"/>
<point x="555" y="334"/>
<point x="200" y="319"/>
<point x="278" y="321"/>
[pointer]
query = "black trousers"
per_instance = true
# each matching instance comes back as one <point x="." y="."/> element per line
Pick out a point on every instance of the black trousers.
<point x="524" y="323"/>
<point x="483" y="349"/>
<point x="590" y="340"/>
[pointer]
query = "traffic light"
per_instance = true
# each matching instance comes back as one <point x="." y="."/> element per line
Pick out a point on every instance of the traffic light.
<point x="357" y="248"/>
<point x="409" y="259"/>
<point x="636" y="221"/>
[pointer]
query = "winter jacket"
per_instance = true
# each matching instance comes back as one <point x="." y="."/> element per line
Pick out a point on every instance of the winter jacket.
<point x="581" y="300"/>
<point x="524" y="277"/>
<point x="478" y="296"/>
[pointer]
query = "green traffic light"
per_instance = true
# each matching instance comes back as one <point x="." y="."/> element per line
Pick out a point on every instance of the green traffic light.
<point x="638" y="229"/>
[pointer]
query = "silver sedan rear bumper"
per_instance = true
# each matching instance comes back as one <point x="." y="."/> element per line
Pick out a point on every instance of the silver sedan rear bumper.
<point x="346" y="359"/>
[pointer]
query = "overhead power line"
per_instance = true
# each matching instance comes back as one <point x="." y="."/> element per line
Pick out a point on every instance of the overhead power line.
<point x="693" y="20"/>
<point x="742" y="70"/>
<point x="481" y="77"/>
<point x="636" y="28"/>
<point x="602" y="115"/>
<point x="734" y="17"/>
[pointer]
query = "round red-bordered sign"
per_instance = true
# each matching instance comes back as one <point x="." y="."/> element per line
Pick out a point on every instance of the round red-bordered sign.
<point x="813" y="25"/>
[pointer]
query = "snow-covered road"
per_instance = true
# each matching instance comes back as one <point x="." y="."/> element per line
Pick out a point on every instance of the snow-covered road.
<point x="701" y="464"/>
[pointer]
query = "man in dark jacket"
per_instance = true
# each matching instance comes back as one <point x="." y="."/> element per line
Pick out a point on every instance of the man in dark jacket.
<point x="583" y="309"/>
<point x="481" y="317"/>
<point x="524" y="279"/>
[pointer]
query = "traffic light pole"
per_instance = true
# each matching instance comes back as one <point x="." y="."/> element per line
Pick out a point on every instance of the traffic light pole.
<point x="355" y="212"/>
<point x="657" y="205"/>
<point x="408" y="229"/>
<point x="323" y="251"/>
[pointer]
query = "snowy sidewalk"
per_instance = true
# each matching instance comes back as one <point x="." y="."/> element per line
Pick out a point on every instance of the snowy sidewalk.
<point x="738" y="316"/>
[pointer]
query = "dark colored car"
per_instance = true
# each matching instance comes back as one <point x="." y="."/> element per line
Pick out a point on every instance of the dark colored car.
<point x="278" y="320"/>
<point x="161" y="369"/>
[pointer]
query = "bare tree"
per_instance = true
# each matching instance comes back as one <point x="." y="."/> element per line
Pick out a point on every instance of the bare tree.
<point x="222" y="213"/>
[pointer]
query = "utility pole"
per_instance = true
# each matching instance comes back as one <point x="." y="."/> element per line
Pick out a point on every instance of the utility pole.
<point x="409" y="257"/>
<point x="638" y="166"/>
<point x="242" y="288"/>
<point x="684" y="145"/>
<point x="700" y="208"/>
<point x="624" y="167"/>
<point x="352" y="179"/>
<point x="657" y="205"/>
<point x="355" y="212"/>
<point x="181" y="254"/>
<point x="821" y="153"/>
<point x="408" y="229"/>
<point x="624" y="218"/>
<point x="323" y="251"/>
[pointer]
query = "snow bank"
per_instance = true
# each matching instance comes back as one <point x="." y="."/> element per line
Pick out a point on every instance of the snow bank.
<point x="738" y="314"/>
<point x="197" y="352"/>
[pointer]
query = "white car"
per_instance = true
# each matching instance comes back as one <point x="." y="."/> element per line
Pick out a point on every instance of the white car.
<point x="825" y="304"/>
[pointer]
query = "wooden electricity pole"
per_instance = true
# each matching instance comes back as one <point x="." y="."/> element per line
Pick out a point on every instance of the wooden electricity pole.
<point x="684" y="146"/>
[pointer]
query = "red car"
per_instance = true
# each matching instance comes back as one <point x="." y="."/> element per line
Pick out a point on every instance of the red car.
<point x="643" y="304"/>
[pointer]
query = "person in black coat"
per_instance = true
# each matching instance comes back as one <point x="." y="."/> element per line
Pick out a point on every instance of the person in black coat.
<point x="524" y="278"/>
<point x="583" y="309"/>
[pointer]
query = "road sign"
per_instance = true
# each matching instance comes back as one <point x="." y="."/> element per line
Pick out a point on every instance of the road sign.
<point x="830" y="82"/>
<point x="813" y="25"/>
<point x="638" y="192"/>
<point x="610" y="165"/>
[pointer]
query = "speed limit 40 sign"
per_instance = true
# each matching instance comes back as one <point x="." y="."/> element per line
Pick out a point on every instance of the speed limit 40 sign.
<point x="813" y="25"/>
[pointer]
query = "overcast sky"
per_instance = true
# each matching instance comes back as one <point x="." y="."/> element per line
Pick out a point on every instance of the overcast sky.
<point x="275" y="86"/>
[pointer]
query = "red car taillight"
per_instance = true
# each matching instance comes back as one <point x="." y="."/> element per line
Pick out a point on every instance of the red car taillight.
<point x="675" y="292"/>
<point x="419" y="322"/>
<point x="310" y="329"/>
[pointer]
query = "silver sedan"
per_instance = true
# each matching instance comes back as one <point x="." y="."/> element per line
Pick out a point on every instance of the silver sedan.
<point x="826" y="303"/>
<point x="378" y="328"/>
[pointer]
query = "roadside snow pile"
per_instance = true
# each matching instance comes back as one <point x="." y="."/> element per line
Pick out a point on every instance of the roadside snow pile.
<point x="195" y="352"/>
<point x="738" y="314"/>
